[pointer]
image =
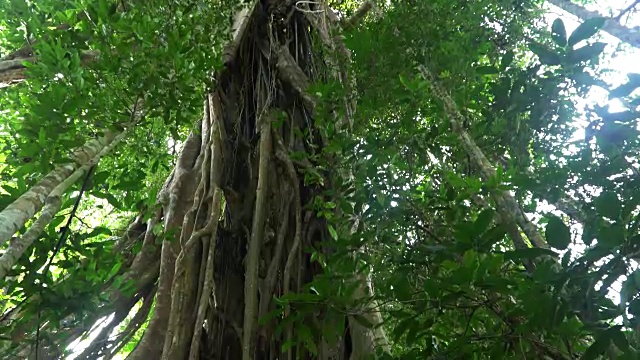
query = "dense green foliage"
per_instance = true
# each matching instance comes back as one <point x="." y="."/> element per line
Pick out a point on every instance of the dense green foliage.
<point x="447" y="277"/>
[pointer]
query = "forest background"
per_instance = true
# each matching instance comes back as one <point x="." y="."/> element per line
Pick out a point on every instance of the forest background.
<point x="319" y="180"/>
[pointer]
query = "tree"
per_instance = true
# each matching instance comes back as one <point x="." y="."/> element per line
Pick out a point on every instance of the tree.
<point x="266" y="234"/>
<point x="257" y="114"/>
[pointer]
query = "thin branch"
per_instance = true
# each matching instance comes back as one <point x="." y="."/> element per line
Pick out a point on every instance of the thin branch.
<point x="626" y="10"/>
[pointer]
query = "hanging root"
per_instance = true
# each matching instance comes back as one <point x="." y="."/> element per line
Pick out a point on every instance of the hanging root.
<point x="283" y="156"/>
<point x="274" y="266"/>
<point x="255" y="243"/>
<point x="208" y="287"/>
<point x="138" y="319"/>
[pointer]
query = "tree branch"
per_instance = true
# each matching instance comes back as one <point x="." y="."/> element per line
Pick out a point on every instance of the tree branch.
<point x="509" y="208"/>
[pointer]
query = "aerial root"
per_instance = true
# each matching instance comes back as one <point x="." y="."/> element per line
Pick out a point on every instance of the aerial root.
<point x="208" y="288"/>
<point x="257" y="233"/>
<point x="136" y="322"/>
<point x="283" y="156"/>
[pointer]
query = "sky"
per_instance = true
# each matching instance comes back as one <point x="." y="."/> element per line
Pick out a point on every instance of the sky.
<point x="621" y="62"/>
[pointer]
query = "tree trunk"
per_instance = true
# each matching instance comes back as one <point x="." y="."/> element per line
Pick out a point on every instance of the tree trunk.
<point x="221" y="265"/>
<point x="236" y="228"/>
<point x="629" y="35"/>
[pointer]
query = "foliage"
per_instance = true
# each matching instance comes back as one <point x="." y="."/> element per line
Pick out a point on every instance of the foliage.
<point x="447" y="277"/>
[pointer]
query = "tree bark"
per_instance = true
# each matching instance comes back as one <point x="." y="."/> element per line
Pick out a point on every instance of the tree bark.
<point x="233" y="189"/>
<point x="244" y="157"/>
<point x="16" y="214"/>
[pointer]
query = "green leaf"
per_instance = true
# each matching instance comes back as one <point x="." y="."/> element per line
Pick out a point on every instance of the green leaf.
<point x="546" y="56"/>
<point x="597" y="348"/>
<point x="610" y="236"/>
<point x="333" y="232"/>
<point x="100" y="178"/>
<point x="586" y="53"/>
<point x="157" y="229"/>
<point x="492" y="236"/>
<point x="110" y="199"/>
<point x="559" y="33"/>
<point x="487" y="70"/>
<point x="305" y="335"/>
<point x="506" y="60"/>
<point x="42" y="136"/>
<point x="99" y="230"/>
<point x="131" y="185"/>
<point x="403" y="327"/>
<point x="414" y="331"/>
<point x="608" y="205"/>
<point x="634" y="307"/>
<point x="619" y="338"/>
<point x="483" y="221"/>
<point x="557" y="233"/>
<point x="586" y="30"/>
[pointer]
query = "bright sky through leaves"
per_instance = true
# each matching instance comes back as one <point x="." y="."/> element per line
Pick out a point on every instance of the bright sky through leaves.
<point x="621" y="59"/>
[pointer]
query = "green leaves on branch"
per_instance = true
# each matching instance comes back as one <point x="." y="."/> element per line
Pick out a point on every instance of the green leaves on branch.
<point x="565" y="54"/>
<point x="585" y="53"/>
<point x="567" y="57"/>
<point x="604" y="339"/>
<point x="547" y="57"/>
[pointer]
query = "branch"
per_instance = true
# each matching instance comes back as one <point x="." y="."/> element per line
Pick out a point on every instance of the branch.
<point x="290" y="73"/>
<point x="12" y="68"/>
<point x="629" y="8"/>
<point x="238" y="29"/>
<point x="356" y="18"/>
<point x="508" y="207"/>
<point x="52" y="204"/>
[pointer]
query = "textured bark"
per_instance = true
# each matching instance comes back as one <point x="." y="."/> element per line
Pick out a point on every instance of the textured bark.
<point x="53" y="202"/>
<point x="629" y="35"/>
<point x="12" y="69"/>
<point x="269" y="66"/>
<point x="16" y="214"/>
<point x="220" y="266"/>
<point x="181" y="192"/>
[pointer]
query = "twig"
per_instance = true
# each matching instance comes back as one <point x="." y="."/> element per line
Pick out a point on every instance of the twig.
<point x="626" y="10"/>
